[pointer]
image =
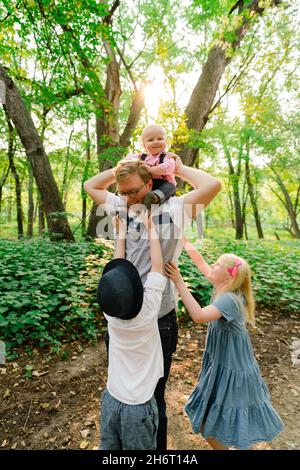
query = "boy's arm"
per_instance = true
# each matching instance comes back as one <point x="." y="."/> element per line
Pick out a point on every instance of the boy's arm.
<point x="121" y="238"/>
<point x="155" y="248"/>
<point x="196" y="257"/>
<point x="96" y="186"/>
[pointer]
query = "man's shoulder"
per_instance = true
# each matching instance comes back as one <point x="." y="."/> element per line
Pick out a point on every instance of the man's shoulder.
<point x="173" y="201"/>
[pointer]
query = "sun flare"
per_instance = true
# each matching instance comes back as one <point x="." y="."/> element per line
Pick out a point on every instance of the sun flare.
<point x="155" y="93"/>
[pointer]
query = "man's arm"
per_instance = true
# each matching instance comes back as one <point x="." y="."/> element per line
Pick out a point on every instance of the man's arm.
<point x="96" y="186"/>
<point x="206" y="187"/>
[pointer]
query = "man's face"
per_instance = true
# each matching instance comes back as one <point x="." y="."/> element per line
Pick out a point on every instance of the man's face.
<point x="134" y="189"/>
<point x="154" y="141"/>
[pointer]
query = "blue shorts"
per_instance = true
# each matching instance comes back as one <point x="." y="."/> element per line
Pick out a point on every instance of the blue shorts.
<point x="128" y="427"/>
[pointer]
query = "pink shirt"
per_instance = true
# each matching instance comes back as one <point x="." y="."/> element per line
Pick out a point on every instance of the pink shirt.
<point x="167" y="167"/>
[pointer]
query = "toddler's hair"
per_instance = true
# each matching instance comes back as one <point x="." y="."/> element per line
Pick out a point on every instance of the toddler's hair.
<point x="127" y="168"/>
<point x="240" y="284"/>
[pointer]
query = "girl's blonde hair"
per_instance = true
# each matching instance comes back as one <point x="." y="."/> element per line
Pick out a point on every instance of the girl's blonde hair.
<point x="240" y="284"/>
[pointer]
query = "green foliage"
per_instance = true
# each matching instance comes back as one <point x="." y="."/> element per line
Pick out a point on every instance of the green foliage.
<point x="48" y="292"/>
<point x="274" y="265"/>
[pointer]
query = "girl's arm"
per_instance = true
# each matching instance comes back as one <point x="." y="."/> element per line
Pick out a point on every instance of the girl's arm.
<point x="196" y="257"/>
<point x="121" y="238"/>
<point x="197" y="314"/>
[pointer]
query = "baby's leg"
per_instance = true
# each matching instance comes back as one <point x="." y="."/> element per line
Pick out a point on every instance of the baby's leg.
<point x="161" y="191"/>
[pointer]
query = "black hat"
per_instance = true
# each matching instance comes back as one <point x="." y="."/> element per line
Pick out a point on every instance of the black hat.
<point x="120" y="290"/>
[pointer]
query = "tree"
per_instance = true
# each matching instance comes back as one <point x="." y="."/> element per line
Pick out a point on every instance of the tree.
<point x="201" y="103"/>
<point x="16" y="111"/>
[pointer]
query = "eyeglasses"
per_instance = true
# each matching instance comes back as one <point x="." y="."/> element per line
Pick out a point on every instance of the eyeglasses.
<point x="132" y="192"/>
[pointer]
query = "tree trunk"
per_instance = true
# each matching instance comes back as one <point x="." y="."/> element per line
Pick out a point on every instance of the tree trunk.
<point x="64" y="191"/>
<point x="137" y="105"/>
<point x="30" y="203"/>
<point x="84" y="178"/>
<point x="58" y="225"/>
<point x="107" y="128"/>
<point x="2" y="183"/>
<point x="203" y="95"/>
<point x="11" y="152"/>
<point x="41" y="214"/>
<point x="253" y="200"/>
<point x="292" y="212"/>
<point x="234" y="178"/>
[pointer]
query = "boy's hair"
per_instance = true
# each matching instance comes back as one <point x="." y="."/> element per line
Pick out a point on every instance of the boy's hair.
<point x="153" y="126"/>
<point x="240" y="284"/>
<point x="125" y="168"/>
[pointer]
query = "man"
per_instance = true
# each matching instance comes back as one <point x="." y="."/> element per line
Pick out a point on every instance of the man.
<point x="134" y="182"/>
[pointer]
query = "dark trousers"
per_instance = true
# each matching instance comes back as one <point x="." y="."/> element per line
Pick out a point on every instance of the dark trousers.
<point x="168" y="330"/>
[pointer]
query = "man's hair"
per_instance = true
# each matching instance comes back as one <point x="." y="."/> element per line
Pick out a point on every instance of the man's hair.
<point x="153" y="126"/>
<point x="125" y="168"/>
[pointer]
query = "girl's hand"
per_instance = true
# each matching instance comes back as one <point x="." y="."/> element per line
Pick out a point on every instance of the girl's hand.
<point x="173" y="272"/>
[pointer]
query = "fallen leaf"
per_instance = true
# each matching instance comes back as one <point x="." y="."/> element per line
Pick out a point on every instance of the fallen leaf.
<point x="83" y="444"/>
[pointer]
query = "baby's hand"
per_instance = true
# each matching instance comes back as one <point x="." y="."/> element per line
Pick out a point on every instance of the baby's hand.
<point x="178" y="161"/>
<point x="148" y="168"/>
<point x="173" y="272"/>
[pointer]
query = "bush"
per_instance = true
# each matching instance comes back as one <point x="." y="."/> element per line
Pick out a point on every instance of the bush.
<point x="48" y="291"/>
<point x="274" y="265"/>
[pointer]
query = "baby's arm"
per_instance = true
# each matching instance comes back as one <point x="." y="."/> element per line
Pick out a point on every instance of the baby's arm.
<point x="196" y="257"/>
<point x="165" y="168"/>
<point x="197" y="314"/>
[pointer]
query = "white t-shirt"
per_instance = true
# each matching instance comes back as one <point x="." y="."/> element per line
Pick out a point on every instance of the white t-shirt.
<point x="135" y="362"/>
<point x="170" y="220"/>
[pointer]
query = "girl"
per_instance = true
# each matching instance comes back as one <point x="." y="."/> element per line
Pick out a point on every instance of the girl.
<point x="230" y="405"/>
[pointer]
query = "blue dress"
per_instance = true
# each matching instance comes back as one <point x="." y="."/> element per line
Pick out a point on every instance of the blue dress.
<point x="231" y="400"/>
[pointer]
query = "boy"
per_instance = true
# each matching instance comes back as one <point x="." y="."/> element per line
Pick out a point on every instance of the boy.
<point x="129" y="415"/>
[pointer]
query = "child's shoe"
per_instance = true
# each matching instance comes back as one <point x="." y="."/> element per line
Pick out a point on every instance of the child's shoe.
<point x="151" y="198"/>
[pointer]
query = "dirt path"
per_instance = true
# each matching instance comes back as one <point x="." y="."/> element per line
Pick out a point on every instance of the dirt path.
<point x="57" y="408"/>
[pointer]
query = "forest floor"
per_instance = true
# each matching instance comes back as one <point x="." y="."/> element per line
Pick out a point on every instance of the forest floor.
<point x="56" y="404"/>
